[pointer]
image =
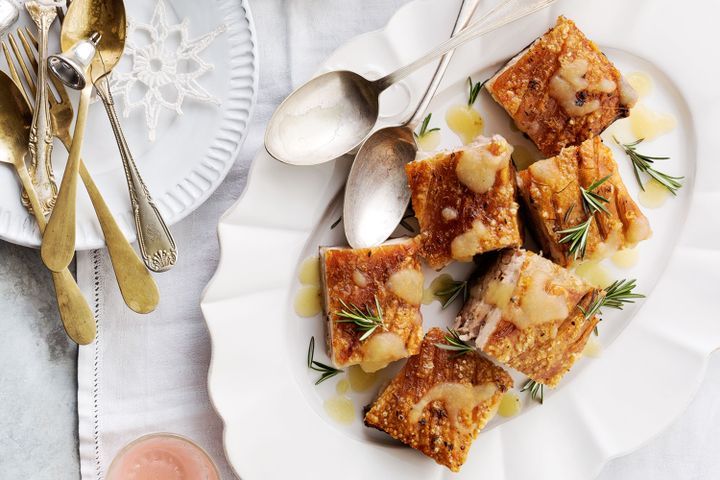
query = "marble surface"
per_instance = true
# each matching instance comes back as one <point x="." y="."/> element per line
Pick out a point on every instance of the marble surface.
<point x="38" y="420"/>
<point x="38" y="382"/>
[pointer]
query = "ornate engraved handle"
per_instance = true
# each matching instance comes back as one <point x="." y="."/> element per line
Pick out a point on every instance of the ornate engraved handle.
<point x="157" y="246"/>
<point x="41" y="136"/>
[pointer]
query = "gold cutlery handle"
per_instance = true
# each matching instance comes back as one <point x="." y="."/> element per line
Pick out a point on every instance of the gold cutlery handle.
<point x="41" y="136"/>
<point x="75" y="313"/>
<point x="156" y="243"/>
<point x="138" y="288"/>
<point x="58" y="245"/>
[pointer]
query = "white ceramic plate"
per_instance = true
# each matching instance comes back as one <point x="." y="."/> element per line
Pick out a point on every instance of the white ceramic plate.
<point x="191" y="154"/>
<point x="654" y="352"/>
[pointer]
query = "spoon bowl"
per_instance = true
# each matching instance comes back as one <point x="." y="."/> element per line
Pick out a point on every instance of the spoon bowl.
<point x="15" y="121"/>
<point x="324" y="119"/>
<point x="331" y="114"/>
<point x="87" y="17"/>
<point x="378" y="176"/>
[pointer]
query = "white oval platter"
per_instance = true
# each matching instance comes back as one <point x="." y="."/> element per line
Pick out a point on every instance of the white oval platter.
<point x="191" y="154"/>
<point x="654" y="352"/>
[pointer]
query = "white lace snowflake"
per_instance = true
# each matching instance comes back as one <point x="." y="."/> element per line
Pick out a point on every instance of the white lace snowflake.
<point x="158" y="66"/>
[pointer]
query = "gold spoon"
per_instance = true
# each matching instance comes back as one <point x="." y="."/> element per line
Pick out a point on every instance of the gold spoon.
<point x="84" y="19"/>
<point x="15" y="121"/>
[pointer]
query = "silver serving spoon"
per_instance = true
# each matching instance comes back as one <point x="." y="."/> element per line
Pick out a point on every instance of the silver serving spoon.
<point x="333" y="113"/>
<point x="377" y="193"/>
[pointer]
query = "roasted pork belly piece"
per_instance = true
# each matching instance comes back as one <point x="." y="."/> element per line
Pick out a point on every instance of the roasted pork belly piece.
<point x="440" y="400"/>
<point x="527" y="312"/>
<point x="465" y="202"/>
<point x="550" y="190"/>
<point x="383" y="283"/>
<point x="562" y="89"/>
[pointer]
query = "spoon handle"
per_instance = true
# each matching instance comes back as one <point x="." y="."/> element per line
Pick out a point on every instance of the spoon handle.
<point x="157" y="246"/>
<point x="507" y="11"/>
<point x="467" y="9"/>
<point x="137" y="286"/>
<point x="75" y="313"/>
<point x="58" y="245"/>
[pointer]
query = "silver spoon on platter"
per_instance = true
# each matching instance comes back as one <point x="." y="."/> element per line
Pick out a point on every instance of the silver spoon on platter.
<point x="333" y="113"/>
<point x="377" y="193"/>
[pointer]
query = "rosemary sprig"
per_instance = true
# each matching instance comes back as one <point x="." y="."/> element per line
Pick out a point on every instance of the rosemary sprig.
<point x="577" y="237"/>
<point x="593" y="202"/>
<point x="424" y="127"/>
<point x="474" y="90"/>
<point x="454" y="290"/>
<point x="366" y="321"/>
<point x="455" y="343"/>
<point x="326" y="370"/>
<point x="537" y="390"/>
<point x="644" y="164"/>
<point x="616" y="296"/>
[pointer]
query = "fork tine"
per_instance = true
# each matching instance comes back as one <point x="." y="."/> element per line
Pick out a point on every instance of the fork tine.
<point x="23" y="67"/>
<point x="13" y="72"/>
<point x="32" y="37"/>
<point x="32" y="55"/>
<point x="29" y="52"/>
<point x="61" y="90"/>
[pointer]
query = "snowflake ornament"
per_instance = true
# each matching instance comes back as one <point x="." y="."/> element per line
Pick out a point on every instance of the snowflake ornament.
<point x="158" y="67"/>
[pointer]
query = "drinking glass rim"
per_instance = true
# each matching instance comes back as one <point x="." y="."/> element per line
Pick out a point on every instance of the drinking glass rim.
<point x="150" y="436"/>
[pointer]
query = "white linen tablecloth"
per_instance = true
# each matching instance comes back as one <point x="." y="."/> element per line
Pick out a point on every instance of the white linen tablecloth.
<point x="148" y="373"/>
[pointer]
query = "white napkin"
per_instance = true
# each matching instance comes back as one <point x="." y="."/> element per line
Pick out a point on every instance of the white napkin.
<point x="148" y="373"/>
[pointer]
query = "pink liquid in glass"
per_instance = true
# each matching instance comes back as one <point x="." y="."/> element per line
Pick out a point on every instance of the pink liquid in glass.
<point x="162" y="456"/>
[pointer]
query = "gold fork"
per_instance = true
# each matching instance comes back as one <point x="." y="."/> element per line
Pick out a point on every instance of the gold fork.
<point x="138" y="288"/>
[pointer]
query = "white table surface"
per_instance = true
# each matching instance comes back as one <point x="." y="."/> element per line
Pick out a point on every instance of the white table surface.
<point x="38" y="419"/>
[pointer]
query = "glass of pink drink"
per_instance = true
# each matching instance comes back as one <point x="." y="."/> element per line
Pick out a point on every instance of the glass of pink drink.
<point x="162" y="456"/>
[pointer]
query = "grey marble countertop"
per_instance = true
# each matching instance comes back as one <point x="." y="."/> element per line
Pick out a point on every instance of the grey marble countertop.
<point x="38" y="378"/>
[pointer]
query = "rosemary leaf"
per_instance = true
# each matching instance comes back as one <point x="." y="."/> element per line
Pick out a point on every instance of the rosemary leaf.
<point x="474" y="90"/>
<point x="577" y="237"/>
<point x="365" y="321"/>
<point x="593" y="202"/>
<point x="451" y="292"/>
<point x="619" y="293"/>
<point x="326" y="370"/>
<point x="424" y="127"/>
<point x="645" y="164"/>
<point x="455" y="343"/>
<point x="537" y="390"/>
